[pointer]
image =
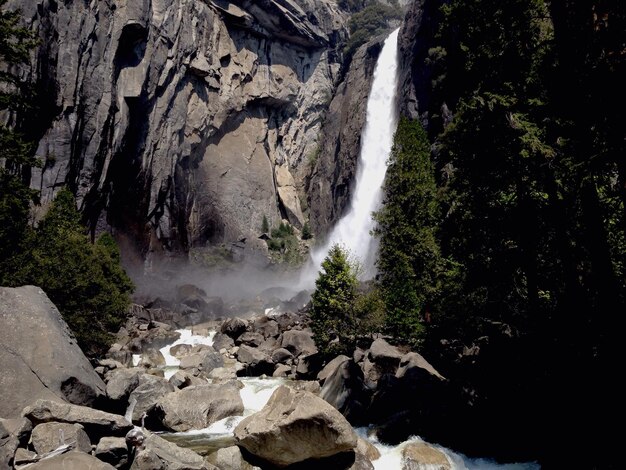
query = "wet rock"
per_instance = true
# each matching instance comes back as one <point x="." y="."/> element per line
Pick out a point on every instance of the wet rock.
<point x="295" y="426"/>
<point x="195" y="407"/>
<point x="152" y="358"/>
<point x="34" y="340"/>
<point x="96" y="423"/>
<point x="421" y="456"/>
<point x="205" y="362"/>
<point x="367" y="449"/>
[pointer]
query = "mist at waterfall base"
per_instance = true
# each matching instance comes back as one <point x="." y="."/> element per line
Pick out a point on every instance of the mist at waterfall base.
<point x="353" y="230"/>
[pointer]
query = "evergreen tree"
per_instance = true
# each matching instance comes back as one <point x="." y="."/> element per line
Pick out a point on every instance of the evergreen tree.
<point x="84" y="280"/>
<point x="16" y="154"/>
<point x="410" y="263"/>
<point x="306" y="231"/>
<point x="265" y="225"/>
<point x="333" y="303"/>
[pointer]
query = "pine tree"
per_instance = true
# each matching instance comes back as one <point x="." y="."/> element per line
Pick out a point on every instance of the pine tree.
<point x="410" y="263"/>
<point x="333" y="303"/>
<point x="16" y="154"/>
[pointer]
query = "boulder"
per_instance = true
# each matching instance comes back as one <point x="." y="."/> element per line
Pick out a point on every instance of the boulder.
<point x="331" y="367"/>
<point x="421" y="456"/>
<point x="367" y="449"/>
<point x="234" y="327"/>
<point x="71" y="461"/>
<point x="281" y="355"/>
<point x="39" y="357"/>
<point x="205" y="361"/>
<point x="22" y="457"/>
<point x="146" y="395"/>
<point x="182" y="379"/>
<point x="309" y="366"/>
<point x="230" y="458"/>
<point x="293" y="427"/>
<point x="413" y="365"/>
<point x="13" y="433"/>
<point x="287" y="320"/>
<point x="112" y="450"/>
<point x="222" y="341"/>
<point x="281" y="370"/>
<point x="344" y="389"/>
<point x="96" y="423"/>
<point x="152" y="358"/>
<point x="270" y="345"/>
<point x="256" y="361"/>
<point x="299" y="342"/>
<point x="121" y="382"/>
<point x="47" y="437"/>
<point x="196" y="407"/>
<point x="159" y="454"/>
<point x="382" y="358"/>
<point x="250" y="338"/>
<point x="266" y="326"/>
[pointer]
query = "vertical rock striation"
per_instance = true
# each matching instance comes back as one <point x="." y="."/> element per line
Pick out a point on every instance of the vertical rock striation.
<point x="183" y="122"/>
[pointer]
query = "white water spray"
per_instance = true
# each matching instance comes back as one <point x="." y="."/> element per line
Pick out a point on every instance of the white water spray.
<point x="353" y="230"/>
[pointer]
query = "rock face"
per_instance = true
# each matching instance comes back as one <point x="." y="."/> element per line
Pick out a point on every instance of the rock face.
<point x="183" y="122"/>
<point x="48" y="436"/>
<point x="39" y="357"/>
<point x="335" y="160"/>
<point x="157" y="453"/>
<point x="293" y="427"/>
<point x="420" y="456"/>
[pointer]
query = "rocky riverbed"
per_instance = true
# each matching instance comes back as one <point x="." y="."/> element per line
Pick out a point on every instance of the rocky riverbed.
<point x="185" y="387"/>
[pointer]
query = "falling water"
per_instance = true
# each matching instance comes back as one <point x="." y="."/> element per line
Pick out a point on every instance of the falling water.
<point x="353" y="230"/>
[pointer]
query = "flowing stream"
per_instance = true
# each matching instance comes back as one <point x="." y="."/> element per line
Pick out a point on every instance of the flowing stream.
<point x="256" y="392"/>
<point x="353" y="230"/>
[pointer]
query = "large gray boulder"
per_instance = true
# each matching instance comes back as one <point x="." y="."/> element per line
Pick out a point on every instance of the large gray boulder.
<point x="345" y="390"/>
<point x="299" y="342"/>
<point x="121" y="382"/>
<point x="71" y="461"/>
<point x="293" y="427"/>
<point x="47" y="437"/>
<point x="97" y="423"/>
<point x="256" y="361"/>
<point x="159" y="454"/>
<point x="230" y="458"/>
<point x="196" y="407"/>
<point x="113" y="450"/>
<point x="147" y="394"/>
<point x="39" y="357"/>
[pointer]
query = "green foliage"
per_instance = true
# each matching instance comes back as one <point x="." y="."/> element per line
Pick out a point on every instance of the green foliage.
<point x="16" y="153"/>
<point x="333" y="303"/>
<point x="410" y="263"/>
<point x="84" y="280"/>
<point x="284" y="245"/>
<point x="306" y="231"/>
<point x="368" y="23"/>
<point x="265" y="225"/>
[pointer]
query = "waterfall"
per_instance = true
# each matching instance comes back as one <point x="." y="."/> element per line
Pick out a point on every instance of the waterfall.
<point x="352" y="231"/>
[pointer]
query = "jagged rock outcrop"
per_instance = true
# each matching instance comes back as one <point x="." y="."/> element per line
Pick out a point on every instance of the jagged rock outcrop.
<point x="335" y="159"/>
<point x="184" y="122"/>
<point x="39" y="357"/>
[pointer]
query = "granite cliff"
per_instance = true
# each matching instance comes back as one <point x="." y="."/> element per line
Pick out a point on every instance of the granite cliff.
<point x="183" y="123"/>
